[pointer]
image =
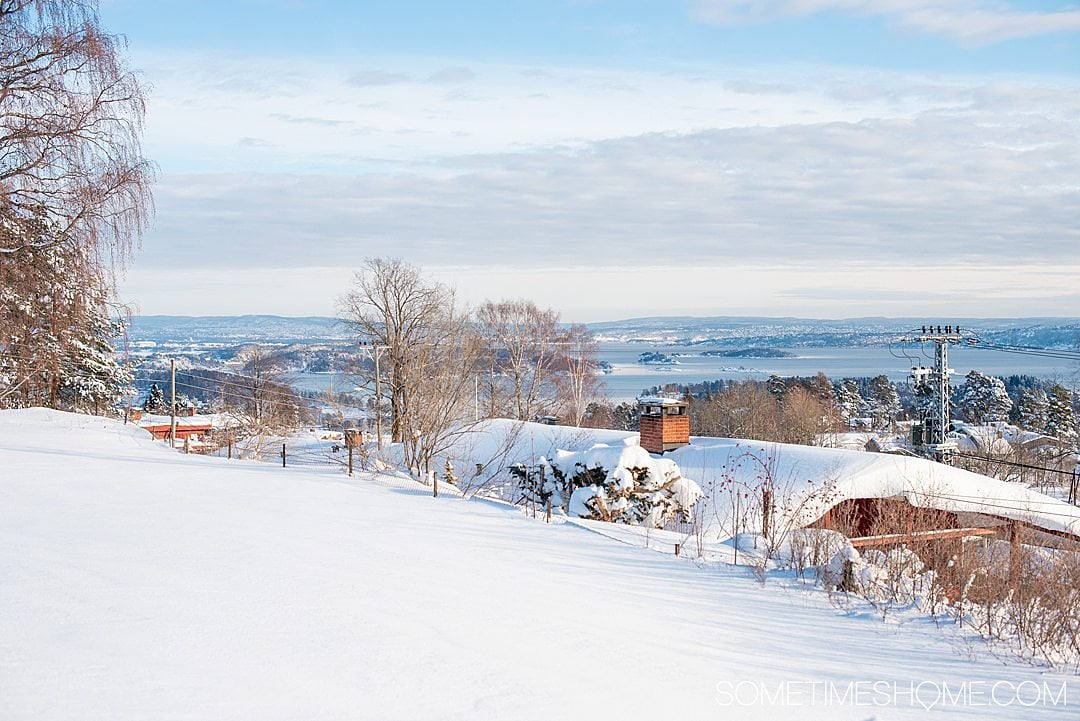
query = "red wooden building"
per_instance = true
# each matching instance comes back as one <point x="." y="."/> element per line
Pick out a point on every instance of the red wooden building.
<point x="189" y="425"/>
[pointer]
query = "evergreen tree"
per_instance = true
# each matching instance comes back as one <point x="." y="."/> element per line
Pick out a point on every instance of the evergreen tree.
<point x="1060" y="415"/>
<point x="983" y="399"/>
<point x="1033" y="410"/>
<point x="448" y="473"/>
<point x="91" y="377"/>
<point x="923" y="401"/>
<point x="55" y="332"/>
<point x="776" y="386"/>
<point x="884" y="402"/>
<point x="849" y="402"/>
<point x="624" y="417"/>
<point x="155" y="401"/>
<point x="822" y="388"/>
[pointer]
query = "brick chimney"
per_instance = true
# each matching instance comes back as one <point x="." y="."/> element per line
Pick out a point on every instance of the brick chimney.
<point x="663" y="423"/>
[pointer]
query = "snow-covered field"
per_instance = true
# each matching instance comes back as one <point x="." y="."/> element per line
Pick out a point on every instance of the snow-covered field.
<point x="138" y="583"/>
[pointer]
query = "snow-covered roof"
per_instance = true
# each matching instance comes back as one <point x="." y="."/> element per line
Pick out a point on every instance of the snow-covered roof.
<point x="809" y="481"/>
<point x="214" y="420"/>
<point x="658" y="401"/>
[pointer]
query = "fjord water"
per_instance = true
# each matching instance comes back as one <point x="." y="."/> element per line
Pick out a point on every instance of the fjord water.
<point x="629" y="378"/>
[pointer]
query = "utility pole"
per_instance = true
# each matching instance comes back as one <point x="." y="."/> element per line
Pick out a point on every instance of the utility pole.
<point x="378" y="391"/>
<point x="378" y="404"/>
<point x="935" y="429"/>
<point x="172" y="403"/>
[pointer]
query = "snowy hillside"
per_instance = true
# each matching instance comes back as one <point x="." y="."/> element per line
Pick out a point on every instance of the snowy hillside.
<point x="138" y="583"/>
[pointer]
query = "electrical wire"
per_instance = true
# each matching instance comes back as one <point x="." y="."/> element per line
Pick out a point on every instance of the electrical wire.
<point x="220" y="381"/>
<point x="1034" y="351"/>
<point x="223" y="392"/>
<point x="1015" y="464"/>
<point x="984" y="503"/>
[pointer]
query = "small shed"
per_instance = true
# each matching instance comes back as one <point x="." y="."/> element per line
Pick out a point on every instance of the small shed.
<point x="191" y="426"/>
<point x="664" y="424"/>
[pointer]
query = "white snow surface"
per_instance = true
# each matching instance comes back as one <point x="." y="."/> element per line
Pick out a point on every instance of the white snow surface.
<point x="139" y="583"/>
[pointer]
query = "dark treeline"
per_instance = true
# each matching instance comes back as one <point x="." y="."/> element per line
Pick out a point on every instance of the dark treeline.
<point x="798" y="409"/>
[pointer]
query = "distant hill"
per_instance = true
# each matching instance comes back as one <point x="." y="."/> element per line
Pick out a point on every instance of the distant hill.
<point x="717" y="332"/>
<point x="742" y="332"/>
<point x="237" y="329"/>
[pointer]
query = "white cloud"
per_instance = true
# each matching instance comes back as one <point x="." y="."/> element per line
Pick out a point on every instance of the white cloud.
<point x="586" y="294"/>
<point x="452" y="76"/>
<point x="366" y="78"/>
<point x="957" y="188"/>
<point x="804" y="171"/>
<point x="320" y="122"/>
<point x="970" y="22"/>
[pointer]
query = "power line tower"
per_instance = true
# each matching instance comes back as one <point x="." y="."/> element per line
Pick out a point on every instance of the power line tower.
<point x="932" y="437"/>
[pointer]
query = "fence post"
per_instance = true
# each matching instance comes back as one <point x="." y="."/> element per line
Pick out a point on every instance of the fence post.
<point x="735" y="545"/>
<point x="282" y="455"/>
<point x="1014" y="554"/>
<point x="353" y="436"/>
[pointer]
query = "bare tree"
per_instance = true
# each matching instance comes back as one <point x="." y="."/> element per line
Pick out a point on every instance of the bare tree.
<point x="803" y="417"/>
<point x="577" y="379"/>
<point x="741" y="410"/>
<point x="74" y="199"/>
<point x="70" y="128"/>
<point x="260" y="400"/>
<point x="392" y="304"/>
<point x="431" y="354"/>
<point x="521" y="343"/>
<point x="263" y="390"/>
<point x="439" y="385"/>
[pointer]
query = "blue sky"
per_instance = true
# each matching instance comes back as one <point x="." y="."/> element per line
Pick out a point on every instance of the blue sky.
<point x="631" y="34"/>
<point x="787" y="157"/>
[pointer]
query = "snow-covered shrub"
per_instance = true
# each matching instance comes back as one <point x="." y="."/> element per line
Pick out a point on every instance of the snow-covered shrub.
<point x="622" y="485"/>
<point x="808" y="548"/>
<point x="886" y="579"/>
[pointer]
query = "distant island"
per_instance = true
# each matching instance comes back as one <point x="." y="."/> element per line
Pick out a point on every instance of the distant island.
<point x="653" y="358"/>
<point x="750" y="353"/>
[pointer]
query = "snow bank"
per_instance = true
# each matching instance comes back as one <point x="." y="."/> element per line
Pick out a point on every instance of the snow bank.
<point x="46" y="429"/>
